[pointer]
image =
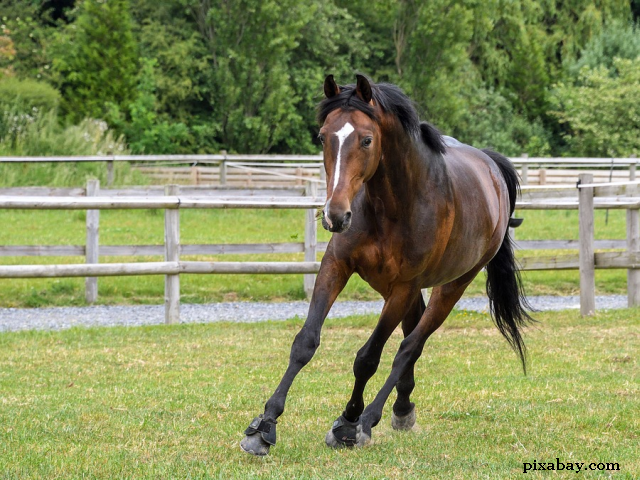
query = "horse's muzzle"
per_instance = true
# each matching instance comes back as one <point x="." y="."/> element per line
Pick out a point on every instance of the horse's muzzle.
<point x="337" y="223"/>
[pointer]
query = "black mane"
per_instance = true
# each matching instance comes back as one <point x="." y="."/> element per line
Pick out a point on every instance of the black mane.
<point x="392" y="100"/>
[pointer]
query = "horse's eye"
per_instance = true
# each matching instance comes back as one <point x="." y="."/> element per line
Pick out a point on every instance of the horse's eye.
<point x="367" y="141"/>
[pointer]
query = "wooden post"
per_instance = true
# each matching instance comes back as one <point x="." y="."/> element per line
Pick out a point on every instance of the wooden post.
<point x="632" y="168"/>
<point x="172" y="254"/>
<point x="310" y="239"/>
<point x="195" y="175"/>
<point x="110" y="173"/>
<point x="542" y="176"/>
<point x="92" y="242"/>
<point x="586" y="241"/>
<point x="525" y="171"/>
<point x="223" y="168"/>
<point x="633" y="245"/>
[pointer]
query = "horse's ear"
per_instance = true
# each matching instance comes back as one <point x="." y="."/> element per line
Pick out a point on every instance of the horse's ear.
<point x="363" y="89"/>
<point x="331" y="88"/>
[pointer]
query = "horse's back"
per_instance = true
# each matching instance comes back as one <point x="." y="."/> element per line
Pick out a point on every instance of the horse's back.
<point x="481" y="205"/>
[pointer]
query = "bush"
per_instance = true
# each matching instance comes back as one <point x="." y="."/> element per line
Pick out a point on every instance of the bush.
<point x="24" y="95"/>
<point x="617" y="40"/>
<point x="601" y="112"/>
<point x="492" y="122"/>
<point x="41" y="135"/>
<point x="148" y="131"/>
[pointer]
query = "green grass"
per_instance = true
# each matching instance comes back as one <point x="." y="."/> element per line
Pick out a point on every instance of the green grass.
<point x="239" y="226"/>
<point x="172" y="401"/>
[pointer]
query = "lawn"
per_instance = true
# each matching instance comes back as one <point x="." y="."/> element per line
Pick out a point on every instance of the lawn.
<point x="172" y="401"/>
<point x="241" y="226"/>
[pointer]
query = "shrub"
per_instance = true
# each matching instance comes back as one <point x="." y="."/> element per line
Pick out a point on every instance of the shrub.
<point x="23" y="95"/>
<point x="602" y="111"/>
<point x="491" y="121"/>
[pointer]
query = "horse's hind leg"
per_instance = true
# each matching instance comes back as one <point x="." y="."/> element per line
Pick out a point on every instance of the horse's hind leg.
<point x="442" y="301"/>
<point x="404" y="410"/>
<point x="346" y="430"/>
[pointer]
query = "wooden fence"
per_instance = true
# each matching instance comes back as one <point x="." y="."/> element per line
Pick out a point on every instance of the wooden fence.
<point x="290" y="170"/>
<point x="587" y="197"/>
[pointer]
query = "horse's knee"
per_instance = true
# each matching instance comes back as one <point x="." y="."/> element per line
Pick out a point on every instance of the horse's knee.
<point x="304" y="346"/>
<point x="365" y="364"/>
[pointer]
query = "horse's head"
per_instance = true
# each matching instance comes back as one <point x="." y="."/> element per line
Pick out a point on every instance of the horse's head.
<point x="352" y="149"/>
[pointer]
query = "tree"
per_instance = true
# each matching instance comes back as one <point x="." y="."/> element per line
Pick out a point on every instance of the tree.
<point x="602" y="112"/>
<point x="95" y="60"/>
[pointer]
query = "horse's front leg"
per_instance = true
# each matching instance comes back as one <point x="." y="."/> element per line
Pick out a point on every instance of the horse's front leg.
<point x="332" y="278"/>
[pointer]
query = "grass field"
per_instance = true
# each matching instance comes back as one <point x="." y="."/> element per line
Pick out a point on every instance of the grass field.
<point x="172" y="401"/>
<point x="240" y="226"/>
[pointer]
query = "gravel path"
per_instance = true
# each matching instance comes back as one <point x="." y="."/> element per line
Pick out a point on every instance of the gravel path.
<point x="57" y="318"/>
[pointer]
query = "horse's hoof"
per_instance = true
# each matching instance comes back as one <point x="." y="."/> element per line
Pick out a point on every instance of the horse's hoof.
<point x="255" y="445"/>
<point x="404" y="422"/>
<point x="346" y="434"/>
<point x="260" y="435"/>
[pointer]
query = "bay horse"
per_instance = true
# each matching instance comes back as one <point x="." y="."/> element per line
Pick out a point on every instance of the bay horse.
<point x="409" y="208"/>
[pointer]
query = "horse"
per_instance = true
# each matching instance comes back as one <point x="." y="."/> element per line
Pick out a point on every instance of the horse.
<point x="409" y="208"/>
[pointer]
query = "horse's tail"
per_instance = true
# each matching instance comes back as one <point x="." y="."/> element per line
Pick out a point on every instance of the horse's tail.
<point x="507" y="300"/>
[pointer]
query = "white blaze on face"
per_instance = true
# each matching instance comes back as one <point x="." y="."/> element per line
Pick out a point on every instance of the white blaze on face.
<point x="342" y="135"/>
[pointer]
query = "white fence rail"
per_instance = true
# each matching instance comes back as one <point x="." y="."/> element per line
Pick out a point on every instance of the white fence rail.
<point x="591" y="197"/>
<point x="256" y="170"/>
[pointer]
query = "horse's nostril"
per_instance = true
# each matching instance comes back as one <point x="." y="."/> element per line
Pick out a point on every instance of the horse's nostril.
<point x="347" y="217"/>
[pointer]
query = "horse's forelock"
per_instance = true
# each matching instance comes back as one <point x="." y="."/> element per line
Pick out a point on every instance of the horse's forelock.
<point x="346" y="100"/>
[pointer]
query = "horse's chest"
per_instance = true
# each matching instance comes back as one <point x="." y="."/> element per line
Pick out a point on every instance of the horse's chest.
<point x="385" y="262"/>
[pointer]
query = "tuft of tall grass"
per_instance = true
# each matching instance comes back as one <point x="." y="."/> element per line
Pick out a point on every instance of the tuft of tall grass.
<point x="37" y="133"/>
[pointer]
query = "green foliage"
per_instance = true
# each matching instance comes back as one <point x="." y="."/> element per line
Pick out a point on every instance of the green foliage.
<point x="148" y="131"/>
<point x="95" y="60"/>
<point x="248" y="86"/>
<point x="245" y="76"/>
<point x="26" y="95"/>
<point x="28" y="29"/>
<point x="39" y="133"/>
<point x="602" y="112"/>
<point x="23" y="103"/>
<point x="491" y="121"/>
<point x="617" y="40"/>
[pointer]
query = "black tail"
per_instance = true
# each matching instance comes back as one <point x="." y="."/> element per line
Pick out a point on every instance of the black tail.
<point x="507" y="301"/>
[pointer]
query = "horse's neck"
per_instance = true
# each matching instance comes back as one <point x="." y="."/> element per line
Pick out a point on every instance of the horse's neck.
<point x="400" y="174"/>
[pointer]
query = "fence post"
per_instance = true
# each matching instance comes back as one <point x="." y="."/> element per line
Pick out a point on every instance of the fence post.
<point x="542" y="176"/>
<point x="223" y="168"/>
<point x="525" y="170"/>
<point x="586" y="240"/>
<point x="632" y="168"/>
<point x="310" y="239"/>
<point x="110" y="173"/>
<point x="633" y="246"/>
<point x="172" y="254"/>
<point x="92" y="242"/>
<point x="195" y="175"/>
